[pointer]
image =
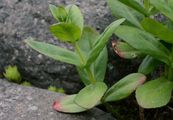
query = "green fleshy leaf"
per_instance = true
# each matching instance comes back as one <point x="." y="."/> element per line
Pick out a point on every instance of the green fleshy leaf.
<point x="124" y="50"/>
<point x="66" y="32"/>
<point x="120" y="9"/>
<point x="66" y="104"/>
<point x="54" y="52"/>
<point x="102" y="40"/>
<point x="144" y="42"/>
<point x="91" y="95"/>
<point x="158" y="30"/>
<point x="135" y="5"/>
<point x="124" y="87"/>
<point x="148" y="65"/>
<point x="75" y="16"/>
<point x="98" y="67"/>
<point x="155" y="93"/>
<point x="59" y="13"/>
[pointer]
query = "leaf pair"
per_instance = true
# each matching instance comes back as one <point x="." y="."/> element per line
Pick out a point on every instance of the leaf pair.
<point x="86" y="99"/>
<point x="70" y="26"/>
<point x="97" y="93"/>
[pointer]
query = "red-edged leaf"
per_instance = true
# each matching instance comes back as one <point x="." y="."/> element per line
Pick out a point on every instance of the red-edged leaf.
<point x="124" y="87"/>
<point x="66" y="104"/>
<point x="124" y="50"/>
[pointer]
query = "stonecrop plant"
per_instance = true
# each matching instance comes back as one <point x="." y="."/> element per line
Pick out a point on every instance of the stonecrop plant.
<point x="90" y="58"/>
<point x="143" y="35"/>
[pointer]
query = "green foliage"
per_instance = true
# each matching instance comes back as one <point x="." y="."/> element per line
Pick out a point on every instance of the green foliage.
<point x="158" y="29"/>
<point x="59" y="13"/>
<point x="102" y="40"/>
<point x="144" y="42"/>
<point x="75" y="16"/>
<point x="66" y="31"/>
<point x="55" y="89"/>
<point x="148" y="65"/>
<point x="152" y="39"/>
<point x="164" y="7"/>
<point x="124" y="87"/>
<point x="90" y="58"/>
<point x="120" y="9"/>
<point x="12" y="74"/>
<point x="52" y="88"/>
<point x="55" y="52"/>
<point x="25" y="83"/>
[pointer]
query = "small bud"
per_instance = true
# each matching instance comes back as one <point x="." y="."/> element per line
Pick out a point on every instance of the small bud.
<point x="52" y="88"/>
<point x="25" y="83"/>
<point x="12" y="74"/>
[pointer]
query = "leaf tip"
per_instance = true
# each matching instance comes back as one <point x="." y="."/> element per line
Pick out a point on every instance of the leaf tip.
<point x="28" y="40"/>
<point x="117" y="51"/>
<point x="142" y="79"/>
<point x="57" y="105"/>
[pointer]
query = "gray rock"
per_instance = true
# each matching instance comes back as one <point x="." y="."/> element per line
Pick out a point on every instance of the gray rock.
<point x="29" y="103"/>
<point x="20" y="19"/>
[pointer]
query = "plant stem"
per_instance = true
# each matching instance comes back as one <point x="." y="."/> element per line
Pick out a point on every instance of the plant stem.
<point x="113" y="111"/>
<point x="79" y="53"/>
<point x="88" y="69"/>
<point x="141" y="113"/>
<point x="91" y="76"/>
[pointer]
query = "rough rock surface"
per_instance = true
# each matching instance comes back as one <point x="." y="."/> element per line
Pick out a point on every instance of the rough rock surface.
<point x="20" y="19"/>
<point x="29" y="103"/>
